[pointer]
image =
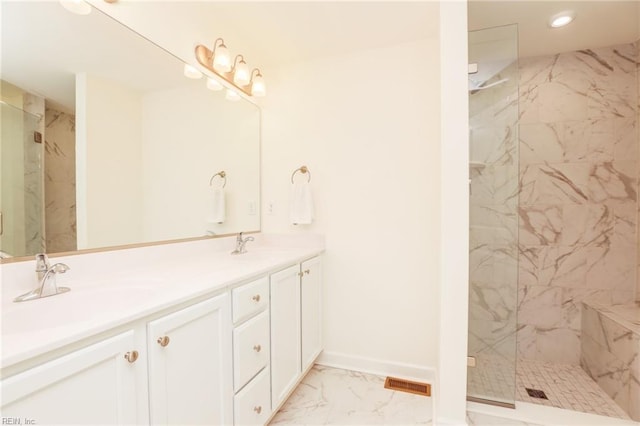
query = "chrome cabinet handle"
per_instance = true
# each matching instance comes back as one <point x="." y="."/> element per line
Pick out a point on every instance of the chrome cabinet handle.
<point x="257" y="348"/>
<point x="256" y="298"/>
<point x="131" y="356"/>
<point x="163" y="341"/>
<point x="258" y="409"/>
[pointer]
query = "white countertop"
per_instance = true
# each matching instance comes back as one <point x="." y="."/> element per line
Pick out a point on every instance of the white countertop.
<point x="111" y="289"/>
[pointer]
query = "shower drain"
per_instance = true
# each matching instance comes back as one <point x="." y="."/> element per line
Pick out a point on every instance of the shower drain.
<point x="536" y="393"/>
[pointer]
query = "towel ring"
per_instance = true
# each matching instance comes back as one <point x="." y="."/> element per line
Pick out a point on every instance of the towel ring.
<point x="302" y="170"/>
<point x="222" y="175"/>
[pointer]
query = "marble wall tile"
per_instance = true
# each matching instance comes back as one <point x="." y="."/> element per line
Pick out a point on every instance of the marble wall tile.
<point x="541" y="143"/>
<point x="60" y="181"/>
<point x="33" y="177"/>
<point x="578" y="209"/>
<point x="637" y="156"/>
<point x="492" y="301"/>
<point x="561" y="183"/>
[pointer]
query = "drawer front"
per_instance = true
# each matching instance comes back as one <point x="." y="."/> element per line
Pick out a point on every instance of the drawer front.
<point x="252" y="405"/>
<point x="250" y="349"/>
<point x="250" y="299"/>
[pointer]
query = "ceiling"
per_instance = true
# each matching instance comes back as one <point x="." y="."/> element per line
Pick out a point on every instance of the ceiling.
<point x="272" y="34"/>
<point x="597" y="23"/>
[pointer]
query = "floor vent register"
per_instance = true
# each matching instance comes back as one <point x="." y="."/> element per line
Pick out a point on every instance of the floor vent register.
<point x="402" y="385"/>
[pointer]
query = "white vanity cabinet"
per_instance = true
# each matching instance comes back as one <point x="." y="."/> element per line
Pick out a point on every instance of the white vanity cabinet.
<point x="225" y="354"/>
<point x="98" y="383"/>
<point x="251" y="343"/>
<point x="190" y="365"/>
<point x="296" y="335"/>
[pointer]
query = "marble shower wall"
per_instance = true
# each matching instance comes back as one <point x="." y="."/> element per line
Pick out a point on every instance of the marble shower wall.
<point x="33" y="178"/>
<point x="60" y="180"/>
<point x="578" y="193"/>
<point x="638" y="176"/>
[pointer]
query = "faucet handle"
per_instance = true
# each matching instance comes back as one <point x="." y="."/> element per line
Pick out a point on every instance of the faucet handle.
<point x="59" y="268"/>
<point x="42" y="262"/>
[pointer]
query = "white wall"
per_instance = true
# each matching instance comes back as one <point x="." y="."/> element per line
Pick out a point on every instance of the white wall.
<point x="225" y="135"/>
<point x="108" y="159"/>
<point x="369" y="133"/>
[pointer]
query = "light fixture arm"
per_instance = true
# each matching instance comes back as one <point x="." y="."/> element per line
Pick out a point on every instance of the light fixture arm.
<point x="215" y="46"/>
<point x="256" y="75"/>
<point x="235" y="62"/>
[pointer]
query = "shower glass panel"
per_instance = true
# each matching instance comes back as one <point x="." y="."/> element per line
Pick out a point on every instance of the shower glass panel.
<point x="493" y="173"/>
<point x="21" y="183"/>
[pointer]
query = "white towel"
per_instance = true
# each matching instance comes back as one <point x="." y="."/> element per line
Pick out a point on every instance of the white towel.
<point x="216" y="213"/>
<point x="301" y="204"/>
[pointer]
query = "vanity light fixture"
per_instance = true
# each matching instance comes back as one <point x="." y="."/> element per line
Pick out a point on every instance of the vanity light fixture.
<point x="236" y="74"/>
<point x="257" y="84"/>
<point x="191" y="72"/>
<point x="561" y="19"/>
<point x="79" y="7"/>
<point x="240" y="71"/>
<point x="220" y="58"/>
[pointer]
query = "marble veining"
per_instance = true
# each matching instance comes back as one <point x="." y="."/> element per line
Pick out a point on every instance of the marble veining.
<point x="341" y="397"/>
<point x="610" y="352"/>
<point x="578" y="183"/>
<point x="60" y="181"/>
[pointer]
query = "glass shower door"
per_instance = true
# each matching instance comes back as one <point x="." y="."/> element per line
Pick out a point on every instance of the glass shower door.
<point x="21" y="183"/>
<point x="493" y="245"/>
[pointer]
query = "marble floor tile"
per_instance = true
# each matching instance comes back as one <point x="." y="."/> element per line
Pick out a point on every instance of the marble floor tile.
<point x="331" y="396"/>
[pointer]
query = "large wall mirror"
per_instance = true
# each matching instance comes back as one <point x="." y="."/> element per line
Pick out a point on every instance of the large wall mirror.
<point x="105" y="142"/>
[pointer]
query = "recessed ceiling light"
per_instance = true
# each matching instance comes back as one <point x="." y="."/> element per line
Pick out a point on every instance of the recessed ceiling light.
<point x="561" y="19"/>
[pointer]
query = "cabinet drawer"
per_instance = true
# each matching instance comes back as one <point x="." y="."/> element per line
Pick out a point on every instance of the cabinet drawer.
<point x="252" y="405"/>
<point x="250" y="298"/>
<point x="250" y="349"/>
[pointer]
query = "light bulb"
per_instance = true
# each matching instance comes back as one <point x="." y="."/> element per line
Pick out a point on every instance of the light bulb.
<point x="241" y="75"/>
<point x="191" y="72"/>
<point x="213" y="84"/>
<point x="232" y="95"/>
<point x="258" y="87"/>
<point x="79" y="7"/>
<point x="221" y="59"/>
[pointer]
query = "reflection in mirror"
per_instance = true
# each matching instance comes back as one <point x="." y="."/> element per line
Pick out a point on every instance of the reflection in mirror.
<point x="106" y="143"/>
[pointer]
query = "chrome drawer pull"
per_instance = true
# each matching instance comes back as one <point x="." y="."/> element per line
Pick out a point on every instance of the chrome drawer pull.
<point x="258" y="409"/>
<point x="257" y="348"/>
<point x="256" y="298"/>
<point x="131" y="356"/>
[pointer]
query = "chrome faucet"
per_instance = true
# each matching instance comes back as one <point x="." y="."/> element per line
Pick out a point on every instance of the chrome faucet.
<point x="46" y="279"/>
<point x="240" y="244"/>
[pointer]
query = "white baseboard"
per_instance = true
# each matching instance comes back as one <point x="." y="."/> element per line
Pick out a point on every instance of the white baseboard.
<point x="377" y="367"/>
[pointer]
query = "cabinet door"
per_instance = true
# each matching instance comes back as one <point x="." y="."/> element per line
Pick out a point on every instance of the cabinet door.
<point x="94" y="385"/>
<point x="285" y="332"/>
<point x="311" y="300"/>
<point x="190" y="365"/>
